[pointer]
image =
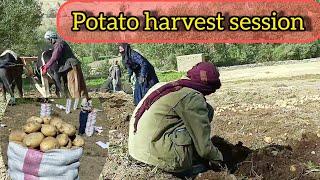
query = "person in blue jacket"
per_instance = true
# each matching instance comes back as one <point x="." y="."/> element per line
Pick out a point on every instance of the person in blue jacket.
<point x="144" y="71"/>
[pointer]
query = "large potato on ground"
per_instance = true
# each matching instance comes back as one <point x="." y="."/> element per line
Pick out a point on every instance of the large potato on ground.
<point x="49" y="143"/>
<point x="63" y="139"/>
<point x="33" y="140"/>
<point x="35" y="119"/>
<point x="17" y="135"/>
<point x="46" y="120"/>
<point x="57" y="122"/>
<point x="68" y="129"/>
<point x="78" y="141"/>
<point x="32" y="127"/>
<point x="48" y="130"/>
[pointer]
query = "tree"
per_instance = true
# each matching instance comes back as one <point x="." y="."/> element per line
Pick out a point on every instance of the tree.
<point x="19" y="20"/>
<point x="95" y="50"/>
<point x="52" y="12"/>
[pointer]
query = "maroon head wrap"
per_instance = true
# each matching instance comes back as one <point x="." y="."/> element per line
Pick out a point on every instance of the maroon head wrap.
<point x="204" y="77"/>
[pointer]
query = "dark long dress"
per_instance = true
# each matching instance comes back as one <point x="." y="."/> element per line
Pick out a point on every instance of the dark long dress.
<point x="142" y="68"/>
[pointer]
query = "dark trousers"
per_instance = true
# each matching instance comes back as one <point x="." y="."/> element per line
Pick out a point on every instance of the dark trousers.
<point x="83" y="121"/>
<point x="57" y="76"/>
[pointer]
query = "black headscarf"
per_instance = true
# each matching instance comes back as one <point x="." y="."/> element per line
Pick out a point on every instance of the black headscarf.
<point x="126" y="55"/>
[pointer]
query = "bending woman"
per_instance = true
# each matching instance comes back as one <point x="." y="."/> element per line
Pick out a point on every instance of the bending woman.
<point x="144" y="71"/>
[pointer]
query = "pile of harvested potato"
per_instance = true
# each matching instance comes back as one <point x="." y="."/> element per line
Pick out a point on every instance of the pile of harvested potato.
<point x="46" y="134"/>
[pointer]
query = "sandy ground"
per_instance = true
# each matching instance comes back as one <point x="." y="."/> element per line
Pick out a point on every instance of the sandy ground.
<point x="268" y="98"/>
<point x="280" y="70"/>
<point x="260" y="106"/>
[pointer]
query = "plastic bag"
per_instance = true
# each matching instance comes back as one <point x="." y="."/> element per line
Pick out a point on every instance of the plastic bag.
<point x="91" y="121"/>
<point x="45" y="110"/>
<point x="24" y="163"/>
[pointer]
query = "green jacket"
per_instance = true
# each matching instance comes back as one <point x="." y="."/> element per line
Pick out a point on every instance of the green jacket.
<point x="175" y="132"/>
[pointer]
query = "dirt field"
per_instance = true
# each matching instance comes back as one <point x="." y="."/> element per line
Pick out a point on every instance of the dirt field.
<point x="271" y="115"/>
<point x="272" y="110"/>
<point x="279" y="69"/>
<point x="93" y="157"/>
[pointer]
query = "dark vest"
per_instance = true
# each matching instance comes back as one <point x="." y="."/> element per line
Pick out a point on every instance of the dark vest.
<point x="67" y="59"/>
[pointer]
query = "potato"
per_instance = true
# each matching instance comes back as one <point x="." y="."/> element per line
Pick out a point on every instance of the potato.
<point x="78" y="141"/>
<point x="49" y="143"/>
<point x="67" y="129"/>
<point x="35" y="119"/>
<point x="46" y="120"/>
<point x="33" y="140"/>
<point x="48" y="130"/>
<point x="55" y="121"/>
<point x="69" y="145"/>
<point x="31" y="127"/>
<point x="63" y="139"/>
<point x="17" y="136"/>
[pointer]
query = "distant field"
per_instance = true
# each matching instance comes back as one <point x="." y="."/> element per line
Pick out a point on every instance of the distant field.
<point x="163" y="77"/>
<point x="169" y="76"/>
<point x="95" y="83"/>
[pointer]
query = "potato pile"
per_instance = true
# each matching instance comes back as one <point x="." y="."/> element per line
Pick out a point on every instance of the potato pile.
<point x="47" y="133"/>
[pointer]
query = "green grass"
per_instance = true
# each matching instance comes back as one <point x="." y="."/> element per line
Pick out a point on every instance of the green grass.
<point x="169" y="76"/>
<point x="163" y="77"/>
<point x="312" y="167"/>
<point x="87" y="60"/>
<point x="95" y="83"/>
<point x="95" y="102"/>
<point x="28" y="85"/>
<point x="92" y="83"/>
<point x="98" y="82"/>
